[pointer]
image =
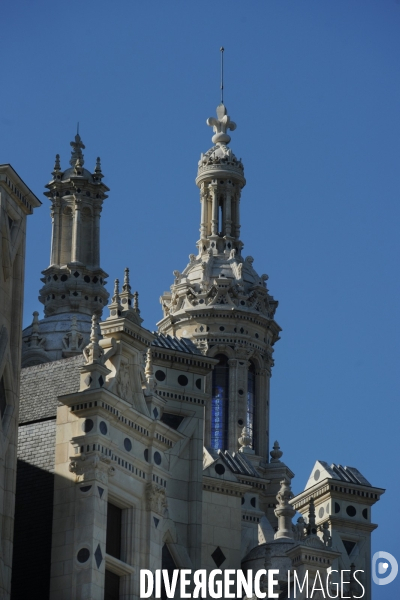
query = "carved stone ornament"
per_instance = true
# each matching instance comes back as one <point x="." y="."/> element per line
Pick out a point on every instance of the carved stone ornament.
<point x="124" y="388"/>
<point x="91" y="466"/>
<point x="156" y="499"/>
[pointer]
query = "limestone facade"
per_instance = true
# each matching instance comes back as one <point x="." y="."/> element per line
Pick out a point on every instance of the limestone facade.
<point x="17" y="201"/>
<point x="155" y="447"/>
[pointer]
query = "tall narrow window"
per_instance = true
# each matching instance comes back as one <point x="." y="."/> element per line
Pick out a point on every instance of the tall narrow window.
<point x="220" y="404"/>
<point x="167" y="563"/>
<point x="114" y="529"/>
<point x="251" y="403"/>
<point x="111" y="586"/>
<point x="220" y="220"/>
<point x="3" y="400"/>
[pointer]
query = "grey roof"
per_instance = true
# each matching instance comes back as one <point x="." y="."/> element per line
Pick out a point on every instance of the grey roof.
<point x="41" y="384"/>
<point x="174" y="343"/>
<point x="238" y="464"/>
<point x="349" y="474"/>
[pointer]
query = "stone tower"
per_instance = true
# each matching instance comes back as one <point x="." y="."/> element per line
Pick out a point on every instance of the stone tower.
<point x="73" y="284"/>
<point x="223" y="305"/>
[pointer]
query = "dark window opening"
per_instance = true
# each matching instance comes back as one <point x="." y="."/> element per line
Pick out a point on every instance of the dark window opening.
<point x="220" y="404"/>
<point x="168" y="563"/>
<point x="171" y="420"/>
<point x="3" y="399"/>
<point x="114" y="528"/>
<point x="111" y="586"/>
<point x="349" y="546"/>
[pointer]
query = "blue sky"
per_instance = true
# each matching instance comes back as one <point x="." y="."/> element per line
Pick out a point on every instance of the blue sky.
<point x="314" y="87"/>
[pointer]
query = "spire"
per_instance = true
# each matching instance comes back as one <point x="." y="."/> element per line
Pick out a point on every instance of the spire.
<point x="93" y="352"/>
<point x="115" y="306"/>
<point x="98" y="175"/>
<point x="136" y="302"/>
<point x="126" y="287"/>
<point x="57" y="166"/>
<point x="76" y="153"/>
<point x="222" y="74"/>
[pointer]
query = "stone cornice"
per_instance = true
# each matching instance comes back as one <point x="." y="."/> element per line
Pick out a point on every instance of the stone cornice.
<point x="220" y="486"/>
<point x="123" y="414"/>
<point x="23" y="196"/>
<point x="358" y="493"/>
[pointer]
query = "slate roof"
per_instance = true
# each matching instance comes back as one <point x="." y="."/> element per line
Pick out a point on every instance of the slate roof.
<point x="173" y="343"/>
<point x="238" y="464"/>
<point x="349" y="474"/>
<point x="41" y="384"/>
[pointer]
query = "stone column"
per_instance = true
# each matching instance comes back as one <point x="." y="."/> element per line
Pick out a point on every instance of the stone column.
<point x="75" y="249"/>
<point x="214" y="220"/>
<point x="203" y="221"/>
<point x="228" y="213"/>
<point x="233" y="408"/>
<point x="96" y="236"/>
<point x="262" y="413"/>
<point x="90" y="527"/>
<point x="55" y="232"/>
<point x="237" y="224"/>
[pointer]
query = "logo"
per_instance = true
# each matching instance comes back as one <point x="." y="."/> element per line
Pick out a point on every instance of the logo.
<point x="385" y="564"/>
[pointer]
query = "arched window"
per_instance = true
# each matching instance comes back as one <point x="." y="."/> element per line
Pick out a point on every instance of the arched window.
<point x="220" y="404"/>
<point x="251" y="403"/>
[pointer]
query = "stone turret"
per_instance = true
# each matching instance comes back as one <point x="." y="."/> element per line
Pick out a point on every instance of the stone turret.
<point x="74" y="282"/>
<point x="222" y="304"/>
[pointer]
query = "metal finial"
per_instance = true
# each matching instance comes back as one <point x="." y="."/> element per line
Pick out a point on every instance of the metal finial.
<point x="222" y="74"/>
<point x="77" y="128"/>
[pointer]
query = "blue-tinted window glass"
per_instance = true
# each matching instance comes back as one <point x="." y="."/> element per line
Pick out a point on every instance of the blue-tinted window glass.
<point x="220" y="403"/>
<point x="251" y="403"/>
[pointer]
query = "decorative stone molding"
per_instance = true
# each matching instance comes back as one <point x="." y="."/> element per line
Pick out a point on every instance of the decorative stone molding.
<point x="91" y="466"/>
<point x="156" y="499"/>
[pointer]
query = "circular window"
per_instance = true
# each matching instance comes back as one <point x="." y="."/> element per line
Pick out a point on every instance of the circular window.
<point x="253" y="502"/>
<point x="146" y="455"/>
<point x="103" y="428"/>
<point x="201" y="301"/>
<point x="83" y="555"/>
<point x="317" y="475"/>
<point x="365" y="513"/>
<point x="222" y="328"/>
<point x="321" y="512"/>
<point x="219" y="469"/>
<point x="240" y="422"/>
<point x="241" y="392"/>
<point x="127" y="444"/>
<point x="64" y="277"/>
<point x="337" y="508"/>
<point x="157" y="458"/>
<point x="351" y="511"/>
<point x="183" y="380"/>
<point x="160" y="375"/>
<point x="88" y="425"/>
<point x="87" y="278"/>
<point x="242" y="302"/>
<point x="198" y="384"/>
